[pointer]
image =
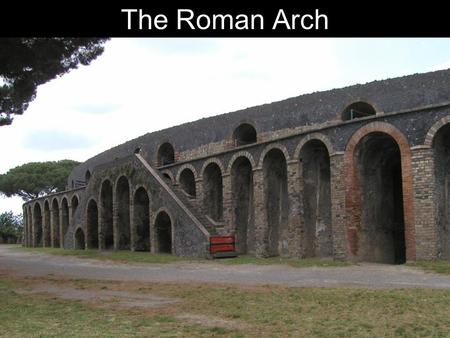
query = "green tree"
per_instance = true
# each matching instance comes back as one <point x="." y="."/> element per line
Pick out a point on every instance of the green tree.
<point x="35" y="179"/>
<point x="11" y="226"/>
<point x="25" y="63"/>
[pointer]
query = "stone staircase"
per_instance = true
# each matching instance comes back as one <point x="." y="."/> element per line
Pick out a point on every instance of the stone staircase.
<point x="189" y="205"/>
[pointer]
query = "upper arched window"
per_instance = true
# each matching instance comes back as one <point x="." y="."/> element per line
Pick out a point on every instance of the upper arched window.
<point x="166" y="154"/>
<point x="358" y="110"/>
<point x="244" y="134"/>
<point x="87" y="176"/>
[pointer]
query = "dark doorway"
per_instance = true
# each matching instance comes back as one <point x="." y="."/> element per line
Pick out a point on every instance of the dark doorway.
<point x="163" y="227"/>
<point x="142" y="220"/>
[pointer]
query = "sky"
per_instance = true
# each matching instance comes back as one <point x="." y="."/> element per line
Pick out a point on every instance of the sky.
<point x="142" y="85"/>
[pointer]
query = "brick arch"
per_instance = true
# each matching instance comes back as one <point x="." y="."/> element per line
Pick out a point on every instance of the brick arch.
<point x="310" y="137"/>
<point x="276" y="145"/>
<point x="352" y="183"/>
<point x="429" y="138"/>
<point x="245" y="154"/>
<point x="208" y="162"/>
<point x="186" y="166"/>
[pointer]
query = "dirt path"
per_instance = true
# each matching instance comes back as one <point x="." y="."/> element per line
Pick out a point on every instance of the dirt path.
<point x="364" y="275"/>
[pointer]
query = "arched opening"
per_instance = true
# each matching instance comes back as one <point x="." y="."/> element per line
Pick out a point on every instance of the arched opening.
<point x="123" y="213"/>
<point x="315" y="173"/>
<point x="379" y="176"/>
<point x="30" y="226"/>
<point x="166" y="154"/>
<point x="106" y="227"/>
<point x="142" y="220"/>
<point x="37" y="223"/>
<point x="167" y="178"/>
<point x="244" y="134"/>
<point x="55" y="223"/>
<point x="92" y="225"/>
<point x="358" y="110"/>
<point x="87" y="176"/>
<point x="213" y="191"/>
<point x="79" y="239"/>
<point x="275" y="199"/>
<point x="187" y="182"/>
<point x="47" y="228"/>
<point x="74" y="204"/>
<point x="163" y="227"/>
<point x="242" y="201"/>
<point x="441" y="148"/>
<point x="64" y="219"/>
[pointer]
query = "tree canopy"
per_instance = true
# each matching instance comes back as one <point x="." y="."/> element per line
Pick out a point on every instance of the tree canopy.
<point x="35" y="179"/>
<point x="11" y="226"/>
<point x="25" y="63"/>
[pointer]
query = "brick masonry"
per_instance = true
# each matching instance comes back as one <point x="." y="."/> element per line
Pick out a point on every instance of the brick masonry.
<point x="410" y="110"/>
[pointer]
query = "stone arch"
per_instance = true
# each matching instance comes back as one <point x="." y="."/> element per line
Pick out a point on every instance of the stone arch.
<point x="167" y="174"/>
<point x="441" y="154"/>
<point x="315" y="186"/>
<point x="314" y="136"/>
<point x="79" y="239"/>
<point x="245" y="133"/>
<point x="357" y="110"/>
<point x="186" y="166"/>
<point x="429" y="138"/>
<point x="166" y="154"/>
<point x="37" y="225"/>
<point x="270" y="147"/>
<point x="47" y="241"/>
<point x="141" y="219"/>
<point x="186" y="181"/>
<point x="208" y="162"/>
<point x="92" y="224"/>
<point x="354" y="212"/>
<point x="55" y="223"/>
<point x="106" y="215"/>
<point x="64" y="219"/>
<point x="213" y="191"/>
<point x="235" y="156"/>
<point x="163" y="226"/>
<point x="74" y="203"/>
<point x="241" y="173"/>
<point x="87" y="176"/>
<point x="122" y="199"/>
<point x="274" y="167"/>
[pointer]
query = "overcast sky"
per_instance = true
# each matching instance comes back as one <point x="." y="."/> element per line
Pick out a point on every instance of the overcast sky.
<point x="142" y="85"/>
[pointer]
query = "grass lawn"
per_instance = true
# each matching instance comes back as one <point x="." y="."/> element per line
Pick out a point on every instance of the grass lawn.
<point x="146" y="257"/>
<point x="439" y="266"/>
<point x="263" y="311"/>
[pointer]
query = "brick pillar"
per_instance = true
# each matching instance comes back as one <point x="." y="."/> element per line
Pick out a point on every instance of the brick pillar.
<point x="424" y="188"/>
<point x="30" y="228"/>
<point x="199" y="193"/>
<point x="25" y="226"/>
<point x="115" y="220"/>
<point x="153" y="240"/>
<point x="229" y="225"/>
<point x="61" y="234"/>
<point x="261" y="226"/>
<point x="295" y="216"/>
<point x="52" y="227"/>
<point x="338" y="220"/>
<point x="133" y="229"/>
<point x="101" y="228"/>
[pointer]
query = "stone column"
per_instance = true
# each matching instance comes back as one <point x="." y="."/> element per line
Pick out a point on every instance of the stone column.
<point x="338" y="219"/>
<point x="424" y="188"/>
<point x="227" y="204"/>
<point x="52" y="228"/>
<point x="61" y="234"/>
<point x="261" y="226"/>
<point x="295" y="216"/>
<point x="25" y="227"/>
<point x="115" y="220"/>
<point x="199" y="193"/>
<point x="133" y="229"/>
